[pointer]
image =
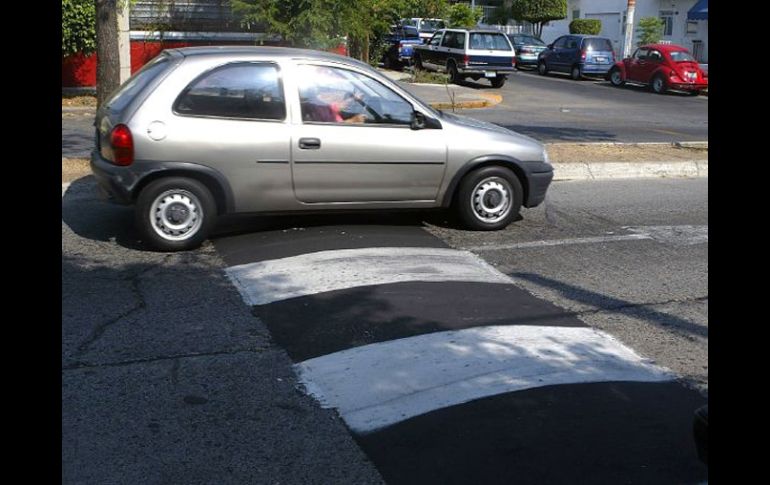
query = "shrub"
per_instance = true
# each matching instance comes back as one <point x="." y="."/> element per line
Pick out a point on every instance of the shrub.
<point x="585" y="26"/>
<point x="650" y="30"/>
<point x="78" y="27"/>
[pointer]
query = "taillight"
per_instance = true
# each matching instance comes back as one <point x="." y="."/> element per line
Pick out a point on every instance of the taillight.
<point x="466" y="59"/>
<point x="122" y="143"/>
<point x="513" y="61"/>
<point x="583" y="55"/>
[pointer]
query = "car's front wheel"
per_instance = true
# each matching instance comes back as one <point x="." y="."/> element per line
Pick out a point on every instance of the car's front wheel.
<point x="175" y="213"/>
<point x="489" y="198"/>
<point x="541" y="68"/>
<point x="616" y="77"/>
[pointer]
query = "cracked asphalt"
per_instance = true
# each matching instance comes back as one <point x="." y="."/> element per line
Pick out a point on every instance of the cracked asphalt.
<point x="168" y="378"/>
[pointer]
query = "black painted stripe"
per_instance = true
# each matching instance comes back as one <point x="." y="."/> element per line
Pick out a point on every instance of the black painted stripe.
<point x="321" y="324"/>
<point x="601" y="433"/>
<point x="267" y="238"/>
<point x="372" y="162"/>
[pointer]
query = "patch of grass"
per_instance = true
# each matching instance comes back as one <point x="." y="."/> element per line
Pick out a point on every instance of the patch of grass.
<point x="421" y="76"/>
<point x="78" y="100"/>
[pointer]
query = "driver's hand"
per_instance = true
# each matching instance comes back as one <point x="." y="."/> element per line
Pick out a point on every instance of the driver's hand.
<point x="359" y="118"/>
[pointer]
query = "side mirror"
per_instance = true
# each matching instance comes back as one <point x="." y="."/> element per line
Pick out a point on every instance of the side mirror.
<point x="418" y="121"/>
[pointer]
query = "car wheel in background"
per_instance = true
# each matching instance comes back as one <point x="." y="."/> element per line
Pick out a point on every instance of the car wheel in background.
<point x="576" y="73"/>
<point x="454" y="76"/>
<point x="489" y="198"/>
<point x="659" y="84"/>
<point x="417" y="61"/>
<point x="616" y="77"/>
<point x="175" y="213"/>
<point x="497" y="82"/>
<point x="541" y="68"/>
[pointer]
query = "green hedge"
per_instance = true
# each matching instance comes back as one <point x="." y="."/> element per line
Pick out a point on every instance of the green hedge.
<point x="585" y="26"/>
<point x="78" y="27"/>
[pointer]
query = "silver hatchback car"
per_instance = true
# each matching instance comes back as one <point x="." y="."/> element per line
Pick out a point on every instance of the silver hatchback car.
<point x="203" y="132"/>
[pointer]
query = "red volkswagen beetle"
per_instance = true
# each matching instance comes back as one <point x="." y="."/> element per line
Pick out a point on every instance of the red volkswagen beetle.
<point x="662" y="67"/>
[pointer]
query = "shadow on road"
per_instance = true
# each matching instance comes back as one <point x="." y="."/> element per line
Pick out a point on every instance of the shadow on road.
<point x="561" y="133"/>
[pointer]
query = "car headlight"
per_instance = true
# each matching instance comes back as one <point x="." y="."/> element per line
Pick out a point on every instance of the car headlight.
<point x="545" y="157"/>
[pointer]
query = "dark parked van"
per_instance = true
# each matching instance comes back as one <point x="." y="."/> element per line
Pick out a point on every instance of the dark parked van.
<point x="577" y="55"/>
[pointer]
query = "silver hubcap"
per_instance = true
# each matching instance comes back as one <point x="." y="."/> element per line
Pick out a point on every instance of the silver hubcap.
<point x="491" y="200"/>
<point x="657" y="84"/>
<point x="541" y="67"/>
<point x="576" y="72"/>
<point x="616" y="77"/>
<point x="175" y="215"/>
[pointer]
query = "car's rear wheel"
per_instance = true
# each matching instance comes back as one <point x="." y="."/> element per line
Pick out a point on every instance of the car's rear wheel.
<point x="616" y="77"/>
<point x="175" y="213"/>
<point x="541" y="68"/>
<point x="576" y="73"/>
<point x="659" y="84"/>
<point x="454" y="76"/>
<point x="489" y="198"/>
<point x="497" y="82"/>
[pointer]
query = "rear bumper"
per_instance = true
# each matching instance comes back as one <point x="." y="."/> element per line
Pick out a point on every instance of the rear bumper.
<point x="115" y="183"/>
<point x="596" y="68"/>
<point x="688" y="86"/>
<point x="482" y="69"/>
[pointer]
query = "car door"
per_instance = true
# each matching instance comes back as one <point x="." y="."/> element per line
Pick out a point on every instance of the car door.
<point x="654" y="60"/>
<point x="553" y="61"/>
<point x="431" y="53"/>
<point x="570" y="54"/>
<point x="636" y="64"/>
<point x="444" y="51"/>
<point x="377" y="158"/>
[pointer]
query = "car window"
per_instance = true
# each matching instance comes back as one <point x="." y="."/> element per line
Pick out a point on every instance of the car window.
<point x="411" y="22"/>
<point x="411" y="33"/>
<point x="134" y="85"/>
<point x="489" y="41"/>
<point x="597" y="44"/>
<point x="449" y="39"/>
<point x="560" y="43"/>
<point x="454" y="40"/>
<point x="681" y="56"/>
<point x="528" y="39"/>
<point x="335" y="95"/>
<point x="236" y="90"/>
<point x="432" y="24"/>
<point x="641" y="54"/>
<point x="436" y="39"/>
<point x="572" y="43"/>
<point x="655" y="56"/>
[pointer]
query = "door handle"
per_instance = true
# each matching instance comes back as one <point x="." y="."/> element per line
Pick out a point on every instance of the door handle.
<point x="309" y="143"/>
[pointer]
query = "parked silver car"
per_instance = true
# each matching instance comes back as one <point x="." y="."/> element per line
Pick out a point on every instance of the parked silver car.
<point x="202" y="132"/>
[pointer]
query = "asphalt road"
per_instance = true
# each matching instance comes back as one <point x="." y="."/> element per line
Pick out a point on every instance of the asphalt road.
<point x="170" y="373"/>
<point x="555" y="108"/>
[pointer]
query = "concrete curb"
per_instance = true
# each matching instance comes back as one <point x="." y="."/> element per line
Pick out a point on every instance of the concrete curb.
<point x="490" y="100"/>
<point x="627" y="170"/>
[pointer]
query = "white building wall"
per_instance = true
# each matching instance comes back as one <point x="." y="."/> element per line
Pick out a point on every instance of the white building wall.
<point x="644" y="8"/>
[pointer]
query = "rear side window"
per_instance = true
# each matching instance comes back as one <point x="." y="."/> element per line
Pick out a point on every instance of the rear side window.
<point x="597" y="44"/>
<point x="491" y="41"/>
<point x="136" y="83"/>
<point x="239" y="90"/>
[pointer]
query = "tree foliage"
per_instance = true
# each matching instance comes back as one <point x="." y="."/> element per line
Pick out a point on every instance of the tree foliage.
<point x="462" y="15"/>
<point x="78" y="27"/>
<point x="585" y="26"/>
<point x="538" y="12"/>
<point x="650" y="30"/>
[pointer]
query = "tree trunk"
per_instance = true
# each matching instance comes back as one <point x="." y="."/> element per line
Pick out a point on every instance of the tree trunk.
<point x="365" y="48"/>
<point x="107" y="52"/>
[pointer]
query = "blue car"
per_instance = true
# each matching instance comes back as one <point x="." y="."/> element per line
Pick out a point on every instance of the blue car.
<point x="577" y="55"/>
<point x="400" y="43"/>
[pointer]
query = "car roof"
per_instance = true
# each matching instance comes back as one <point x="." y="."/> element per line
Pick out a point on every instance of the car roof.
<point x="476" y="31"/>
<point x="268" y="51"/>
<point x="665" y="47"/>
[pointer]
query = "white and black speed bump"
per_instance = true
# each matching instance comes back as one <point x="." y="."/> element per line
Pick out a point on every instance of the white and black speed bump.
<point x="446" y="372"/>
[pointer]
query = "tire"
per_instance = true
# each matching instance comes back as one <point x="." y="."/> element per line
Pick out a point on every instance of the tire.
<point x="454" y="76"/>
<point x="183" y="203"/>
<point x="658" y="84"/>
<point x="542" y="69"/>
<point x="694" y="92"/>
<point x="616" y="77"/>
<point x="489" y="198"/>
<point x="498" y="82"/>
<point x="417" y="61"/>
<point x="387" y="63"/>
<point x="576" y="73"/>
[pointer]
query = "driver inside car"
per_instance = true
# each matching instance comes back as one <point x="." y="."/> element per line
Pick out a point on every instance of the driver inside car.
<point x="330" y="98"/>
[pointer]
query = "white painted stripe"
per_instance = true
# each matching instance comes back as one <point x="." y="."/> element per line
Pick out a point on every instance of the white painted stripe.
<point x="674" y="235"/>
<point x="309" y="274"/>
<point x="381" y="384"/>
<point x="561" y="242"/>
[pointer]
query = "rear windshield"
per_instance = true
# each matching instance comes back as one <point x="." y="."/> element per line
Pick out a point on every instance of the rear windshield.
<point x="136" y="83"/>
<point x="411" y="32"/>
<point x="597" y="44"/>
<point x="681" y="56"/>
<point x="495" y="42"/>
<point x="527" y="39"/>
<point x="431" y="25"/>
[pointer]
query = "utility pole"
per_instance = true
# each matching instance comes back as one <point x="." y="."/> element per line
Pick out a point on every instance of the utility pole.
<point x="629" y="29"/>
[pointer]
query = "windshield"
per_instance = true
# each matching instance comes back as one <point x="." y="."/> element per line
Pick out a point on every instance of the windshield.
<point x="681" y="56"/>
<point x="495" y="42"/>
<point x="597" y="44"/>
<point x="431" y="25"/>
<point x="527" y="39"/>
